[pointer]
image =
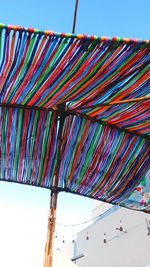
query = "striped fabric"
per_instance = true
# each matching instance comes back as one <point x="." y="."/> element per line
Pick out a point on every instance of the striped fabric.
<point x="28" y="146"/>
<point x="104" y="85"/>
<point x="103" y="162"/>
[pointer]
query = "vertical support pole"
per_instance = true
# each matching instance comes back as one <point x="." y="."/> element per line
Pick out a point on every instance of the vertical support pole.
<point x="48" y="259"/>
<point x="75" y="17"/>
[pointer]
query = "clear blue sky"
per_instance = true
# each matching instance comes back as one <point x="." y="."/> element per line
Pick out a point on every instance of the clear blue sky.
<point x="24" y="209"/>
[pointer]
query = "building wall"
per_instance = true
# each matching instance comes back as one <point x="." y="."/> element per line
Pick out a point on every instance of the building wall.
<point x="130" y="248"/>
<point x="69" y="249"/>
<point x="100" y="208"/>
<point x="61" y="260"/>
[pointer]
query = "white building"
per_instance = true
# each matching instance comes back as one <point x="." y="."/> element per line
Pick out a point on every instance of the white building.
<point x="117" y="238"/>
<point x="62" y="261"/>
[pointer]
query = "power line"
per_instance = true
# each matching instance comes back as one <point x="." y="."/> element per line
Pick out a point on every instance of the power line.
<point x="84" y="222"/>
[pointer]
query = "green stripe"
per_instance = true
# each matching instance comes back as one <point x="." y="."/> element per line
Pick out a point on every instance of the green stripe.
<point x="115" y="151"/>
<point x="119" y="92"/>
<point x="44" y="147"/>
<point x="67" y="78"/>
<point x="107" y="79"/>
<point x="90" y="153"/>
<point x="3" y="143"/>
<point x="128" y="165"/>
<point x="0" y="43"/>
<point x="79" y="134"/>
<point x="17" y="145"/>
<point x="32" y="145"/>
<point x="24" y="66"/>
<point x="43" y="75"/>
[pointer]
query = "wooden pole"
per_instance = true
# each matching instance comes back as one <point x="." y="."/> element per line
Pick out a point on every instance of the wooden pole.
<point x="75" y="17"/>
<point x="113" y="103"/>
<point x="48" y="259"/>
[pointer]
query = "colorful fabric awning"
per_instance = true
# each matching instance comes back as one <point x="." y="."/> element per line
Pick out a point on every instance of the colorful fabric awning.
<point x="103" y="85"/>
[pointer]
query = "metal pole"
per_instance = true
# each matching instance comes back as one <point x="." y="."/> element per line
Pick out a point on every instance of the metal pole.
<point x="48" y="259"/>
<point x="75" y="16"/>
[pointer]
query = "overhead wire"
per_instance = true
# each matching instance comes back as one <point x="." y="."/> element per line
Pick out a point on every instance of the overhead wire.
<point x="84" y="222"/>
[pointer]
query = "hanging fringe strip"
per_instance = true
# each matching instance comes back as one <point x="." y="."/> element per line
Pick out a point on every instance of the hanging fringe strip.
<point x="88" y="75"/>
<point x="104" y="84"/>
<point x="28" y="146"/>
<point x="105" y="164"/>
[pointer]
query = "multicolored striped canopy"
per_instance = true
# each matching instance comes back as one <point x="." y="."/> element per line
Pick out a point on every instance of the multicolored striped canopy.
<point x="97" y="91"/>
